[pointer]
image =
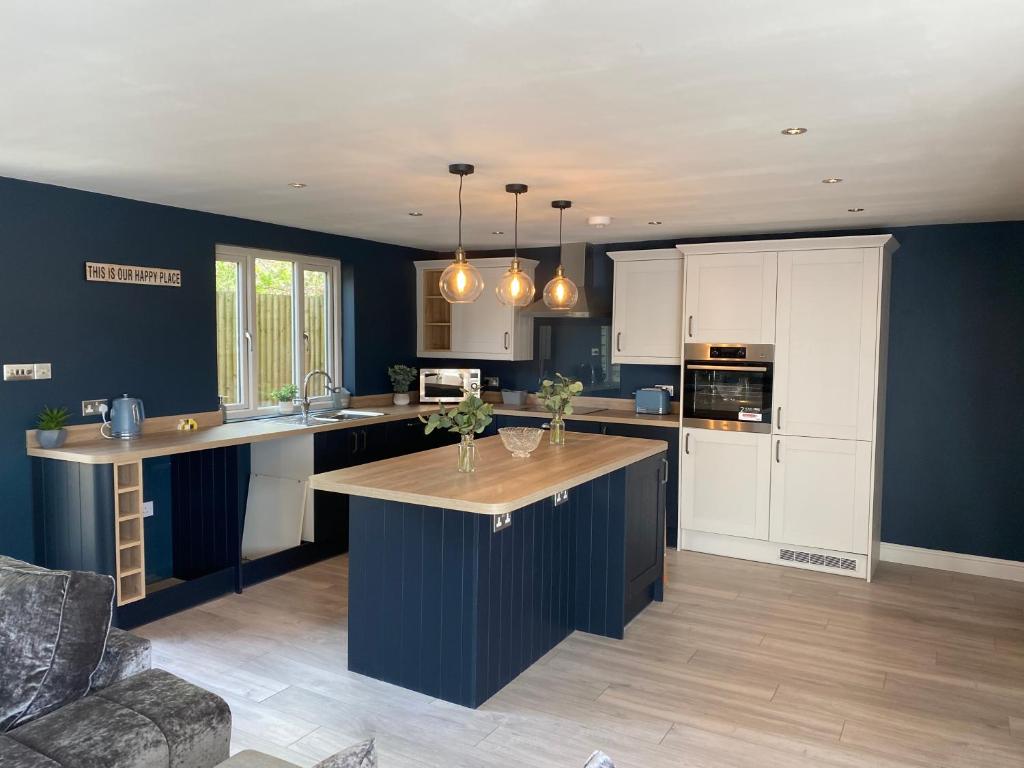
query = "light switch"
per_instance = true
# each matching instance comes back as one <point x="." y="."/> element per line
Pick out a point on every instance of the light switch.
<point x="41" y="371"/>
<point x="18" y="371"/>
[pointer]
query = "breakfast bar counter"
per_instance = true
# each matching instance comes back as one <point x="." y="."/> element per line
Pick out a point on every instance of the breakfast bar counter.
<point x="459" y="582"/>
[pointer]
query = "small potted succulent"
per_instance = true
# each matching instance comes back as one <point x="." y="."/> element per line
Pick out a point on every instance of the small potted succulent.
<point x="285" y="398"/>
<point x="469" y="418"/>
<point x="50" y="427"/>
<point x="557" y="397"/>
<point x="402" y="377"/>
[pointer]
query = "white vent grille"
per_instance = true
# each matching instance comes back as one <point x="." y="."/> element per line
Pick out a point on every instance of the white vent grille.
<point x="815" y="558"/>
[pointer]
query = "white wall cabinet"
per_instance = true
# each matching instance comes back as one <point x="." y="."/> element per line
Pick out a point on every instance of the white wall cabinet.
<point x="825" y="347"/>
<point x="730" y="297"/>
<point x="724" y="480"/>
<point x="648" y="306"/>
<point x="485" y="329"/>
<point x="820" y="493"/>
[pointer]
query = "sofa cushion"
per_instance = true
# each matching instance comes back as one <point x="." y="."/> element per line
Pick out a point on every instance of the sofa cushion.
<point x="195" y="723"/>
<point x="53" y="628"/>
<point x="361" y="755"/>
<point x="125" y="655"/>
<point x="15" y="755"/>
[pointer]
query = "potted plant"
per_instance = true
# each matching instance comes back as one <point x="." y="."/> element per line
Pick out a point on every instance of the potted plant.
<point x="50" y="423"/>
<point x="469" y="418"/>
<point x="285" y="398"/>
<point x="557" y="397"/>
<point x="402" y="377"/>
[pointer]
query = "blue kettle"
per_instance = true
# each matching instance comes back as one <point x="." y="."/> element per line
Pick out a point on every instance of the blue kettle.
<point x="126" y="417"/>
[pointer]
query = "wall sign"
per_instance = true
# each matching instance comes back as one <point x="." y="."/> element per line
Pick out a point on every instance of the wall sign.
<point x="123" y="273"/>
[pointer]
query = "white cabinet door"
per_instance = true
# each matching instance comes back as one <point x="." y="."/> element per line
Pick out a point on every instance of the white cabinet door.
<point x="725" y="482"/>
<point x="825" y="343"/>
<point x="647" y="311"/>
<point x="730" y="297"/>
<point x="484" y="327"/>
<point x="820" y="493"/>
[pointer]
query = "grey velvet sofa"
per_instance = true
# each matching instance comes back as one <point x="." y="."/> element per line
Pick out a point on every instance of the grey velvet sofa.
<point x="130" y="716"/>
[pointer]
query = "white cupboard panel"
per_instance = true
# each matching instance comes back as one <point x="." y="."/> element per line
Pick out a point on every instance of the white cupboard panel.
<point x="730" y="297"/>
<point x="826" y="340"/>
<point x="820" y="493"/>
<point x="647" y="311"/>
<point x="724" y="482"/>
<point x="485" y="325"/>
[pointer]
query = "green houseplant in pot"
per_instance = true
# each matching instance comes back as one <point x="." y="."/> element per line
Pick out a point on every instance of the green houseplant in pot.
<point x="285" y="398"/>
<point x="467" y="419"/>
<point x="557" y="397"/>
<point x="50" y="427"/>
<point x="402" y="377"/>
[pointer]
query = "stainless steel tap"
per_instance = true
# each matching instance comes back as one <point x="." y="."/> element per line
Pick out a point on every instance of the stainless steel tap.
<point x="305" y="390"/>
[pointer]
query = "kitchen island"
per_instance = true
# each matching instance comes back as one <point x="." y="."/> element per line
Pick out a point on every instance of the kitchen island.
<point x="459" y="582"/>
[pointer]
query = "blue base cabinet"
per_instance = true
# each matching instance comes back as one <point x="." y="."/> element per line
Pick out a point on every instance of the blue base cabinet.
<point x="442" y="604"/>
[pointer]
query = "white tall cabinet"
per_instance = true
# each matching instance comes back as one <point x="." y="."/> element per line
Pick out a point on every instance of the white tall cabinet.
<point x="820" y="505"/>
<point x="648" y="304"/>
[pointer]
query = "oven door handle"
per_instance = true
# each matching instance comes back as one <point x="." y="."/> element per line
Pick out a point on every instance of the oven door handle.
<point x="740" y="368"/>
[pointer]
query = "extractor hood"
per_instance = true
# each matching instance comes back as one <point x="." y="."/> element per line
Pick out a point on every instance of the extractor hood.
<point x="574" y="261"/>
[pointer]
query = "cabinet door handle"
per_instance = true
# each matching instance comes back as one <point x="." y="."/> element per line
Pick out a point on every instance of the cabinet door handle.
<point x="355" y="442"/>
<point x="618" y="341"/>
<point x="363" y="433"/>
<point x="506" y="339"/>
<point x="778" y="417"/>
<point x="689" y="326"/>
<point x="778" y="443"/>
<point x="686" y="443"/>
<point x="664" y="480"/>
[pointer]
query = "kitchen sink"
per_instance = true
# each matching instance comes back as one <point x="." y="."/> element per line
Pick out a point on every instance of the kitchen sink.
<point x="333" y="417"/>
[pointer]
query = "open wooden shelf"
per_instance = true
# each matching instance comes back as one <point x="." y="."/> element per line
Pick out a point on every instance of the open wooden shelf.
<point x="129" y="533"/>
<point x="436" y="322"/>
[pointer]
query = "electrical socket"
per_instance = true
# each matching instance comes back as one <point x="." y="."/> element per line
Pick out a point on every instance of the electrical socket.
<point x="18" y="371"/>
<point x="670" y="388"/>
<point x="560" y="497"/>
<point x="501" y="522"/>
<point x="41" y="371"/>
<point x="147" y="509"/>
<point x="92" y="407"/>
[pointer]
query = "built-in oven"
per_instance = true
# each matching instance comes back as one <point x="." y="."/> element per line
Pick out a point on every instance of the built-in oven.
<point x="448" y="385"/>
<point x="728" y="386"/>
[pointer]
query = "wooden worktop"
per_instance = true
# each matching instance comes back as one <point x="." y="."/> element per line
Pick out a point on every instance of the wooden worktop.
<point x="168" y="441"/>
<point x="501" y="482"/>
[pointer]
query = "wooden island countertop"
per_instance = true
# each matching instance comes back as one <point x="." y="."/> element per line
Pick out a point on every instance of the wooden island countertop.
<point x="501" y="482"/>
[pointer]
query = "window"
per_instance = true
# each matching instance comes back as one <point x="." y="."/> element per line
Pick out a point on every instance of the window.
<point x="277" y="319"/>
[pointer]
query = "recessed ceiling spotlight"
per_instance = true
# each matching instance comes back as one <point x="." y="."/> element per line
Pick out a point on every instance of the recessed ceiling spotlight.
<point x="654" y="222"/>
<point x="599" y="221"/>
<point x="415" y="213"/>
<point x="296" y="184"/>
<point x="831" y="180"/>
<point x="793" y="131"/>
<point x="855" y="210"/>
<point x="497" y="232"/>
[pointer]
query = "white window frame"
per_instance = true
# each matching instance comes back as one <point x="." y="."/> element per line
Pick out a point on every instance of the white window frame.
<point x="248" y="354"/>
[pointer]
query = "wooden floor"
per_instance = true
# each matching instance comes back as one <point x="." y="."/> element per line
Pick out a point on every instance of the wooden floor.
<point x="742" y="665"/>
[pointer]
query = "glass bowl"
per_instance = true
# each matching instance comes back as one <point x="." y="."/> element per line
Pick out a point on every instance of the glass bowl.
<point x="521" y="441"/>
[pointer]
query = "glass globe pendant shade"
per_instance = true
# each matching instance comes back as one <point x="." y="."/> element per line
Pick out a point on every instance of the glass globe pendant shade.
<point x="561" y="292"/>
<point x="516" y="288"/>
<point x="461" y="282"/>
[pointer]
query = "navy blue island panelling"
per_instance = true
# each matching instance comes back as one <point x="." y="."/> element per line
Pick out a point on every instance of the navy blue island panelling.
<point x="441" y="604"/>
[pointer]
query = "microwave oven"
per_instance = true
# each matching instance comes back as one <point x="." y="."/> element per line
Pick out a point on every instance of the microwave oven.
<point x="448" y="385"/>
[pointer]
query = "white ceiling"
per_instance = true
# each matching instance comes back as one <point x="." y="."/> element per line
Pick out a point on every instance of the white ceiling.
<point x="638" y="110"/>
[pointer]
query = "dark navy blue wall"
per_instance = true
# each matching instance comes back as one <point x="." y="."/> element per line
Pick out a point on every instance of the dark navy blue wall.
<point x="156" y="343"/>
<point x="954" y="437"/>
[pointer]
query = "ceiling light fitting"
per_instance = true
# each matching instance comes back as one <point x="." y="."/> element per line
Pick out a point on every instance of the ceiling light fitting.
<point x="497" y="232"/>
<point x="561" y="292"/>
<point x="793" y="131"/>
<point x="831" y="180"/>
<point x="296" y="184"/>
<point x="654" y="222"/>
<point x="855" y="210"/>
<point x="516" y="288"/>
<point x="415" y="213"/>
<point x="461" y="282"/>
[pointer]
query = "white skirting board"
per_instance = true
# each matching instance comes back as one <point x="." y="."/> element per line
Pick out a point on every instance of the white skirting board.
<point x="953" y="561"/>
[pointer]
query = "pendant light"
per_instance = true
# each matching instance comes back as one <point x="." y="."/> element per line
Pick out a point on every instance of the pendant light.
<point x="561" y="292"/>
<point x="461" y="282"/>
<point x="516" y="288"/>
